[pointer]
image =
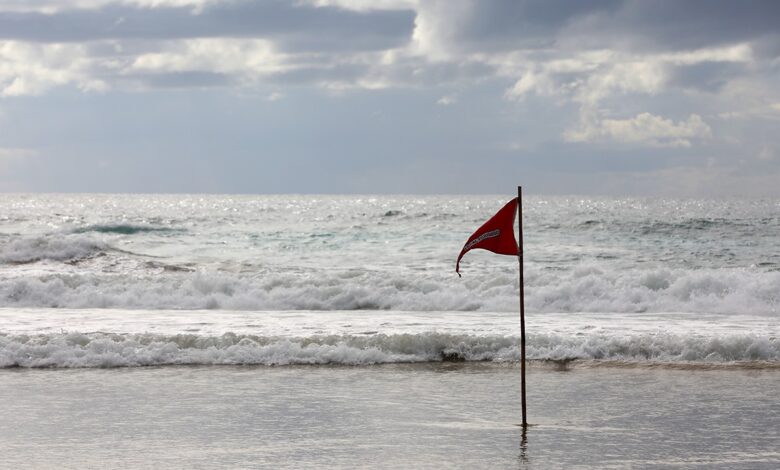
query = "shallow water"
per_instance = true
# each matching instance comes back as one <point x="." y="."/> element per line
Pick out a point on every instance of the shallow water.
<point x="390" y="416"/>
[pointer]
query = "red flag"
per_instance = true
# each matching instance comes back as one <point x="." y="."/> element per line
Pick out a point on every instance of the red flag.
<point x="496" y="235"/>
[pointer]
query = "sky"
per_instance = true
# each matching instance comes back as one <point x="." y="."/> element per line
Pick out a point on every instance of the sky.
<point x="605" y="97"/>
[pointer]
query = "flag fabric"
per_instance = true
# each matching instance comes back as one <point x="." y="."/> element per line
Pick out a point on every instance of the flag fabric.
<point x="496" y="235"/>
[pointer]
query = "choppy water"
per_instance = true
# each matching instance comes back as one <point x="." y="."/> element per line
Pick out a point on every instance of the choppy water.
<point x="282" y="279"/>
<point x="137" y="332"/>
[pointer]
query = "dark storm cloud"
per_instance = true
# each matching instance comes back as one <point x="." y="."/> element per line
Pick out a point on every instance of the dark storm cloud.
<point x="668" y="25"/>
<point x="512" y="24"/>
<point x="768" y="47"/>
<point x="671" y="25"/>
<point x="693" y="24"/>
<point x="292" y="26"/>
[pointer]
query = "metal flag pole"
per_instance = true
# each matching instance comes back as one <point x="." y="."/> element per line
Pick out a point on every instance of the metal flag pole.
<point x="522" y="300"/>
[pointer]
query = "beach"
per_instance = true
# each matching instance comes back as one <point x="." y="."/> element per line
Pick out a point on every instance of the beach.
<point x="334" y="234"/>
<point x="392" y="416"/>
<point x="207" y="331"/>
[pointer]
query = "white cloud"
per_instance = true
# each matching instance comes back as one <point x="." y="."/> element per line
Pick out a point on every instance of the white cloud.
<point x="435" y="27"/>
<point x="368" y="83"/>
<point x="244" y="57"/>
<point x="643" y="129"/>
<point x="622" y="77"/>
<point x="366" y="5"/>
<point x="447" y="100"/>
<point x="591" y="76"/>
<point x="31" y="69"/>
<point x="197" y="4"/>
<point x="734" y="53"/>
<point x="529" y="82"/>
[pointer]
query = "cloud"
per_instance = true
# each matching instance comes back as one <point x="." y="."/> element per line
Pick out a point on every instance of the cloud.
<point x="447" y="100"/>
<point x="762" y="111"/>
<point x="666" y="79"/>
<point x="446" y="29"/>
<point x="643" y="129"/>
<point x="220" y="55"/>
<point x="589" y="77"/>
<point x="141" y="44"/>
<point x="599" y="81"/>
<point x="669" y="25"/>
<point x="292" y="25"/>
<point x="363" y="5"/>
<point x="51" y="7"/>
<point x="31" y="69"/>
<point x="349" y="44"/>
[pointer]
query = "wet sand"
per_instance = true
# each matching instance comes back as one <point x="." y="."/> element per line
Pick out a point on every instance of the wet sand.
<point x="391" y="416"/>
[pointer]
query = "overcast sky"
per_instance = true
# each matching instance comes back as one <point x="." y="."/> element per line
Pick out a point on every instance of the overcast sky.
<point x="648" y="98"/>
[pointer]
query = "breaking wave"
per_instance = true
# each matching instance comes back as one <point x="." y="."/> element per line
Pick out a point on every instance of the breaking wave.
<point x="132" y="350"/>
<point x="584" y="289"/>
<point x="51" y="247"/>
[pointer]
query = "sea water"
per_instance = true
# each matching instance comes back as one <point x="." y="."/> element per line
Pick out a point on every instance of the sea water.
<point x="300" y="331"/>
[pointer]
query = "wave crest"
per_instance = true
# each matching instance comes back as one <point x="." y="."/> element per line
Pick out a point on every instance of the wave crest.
<point x="585" y="289"/>
<point x="131" y="350"/>
<point x="53" y="248"/>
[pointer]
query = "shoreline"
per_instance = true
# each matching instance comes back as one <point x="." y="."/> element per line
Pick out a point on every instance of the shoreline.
<point x="451" y="415"/>
<point x="541" y="365"/>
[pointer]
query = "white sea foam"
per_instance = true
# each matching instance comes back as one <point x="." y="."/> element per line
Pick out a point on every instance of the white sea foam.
<point x="55" y="247"/>
<point x="586" y="289"/>
<point x="128" y="350"/>
<point x="110" y="338"/>
<point x="117" y="259"/>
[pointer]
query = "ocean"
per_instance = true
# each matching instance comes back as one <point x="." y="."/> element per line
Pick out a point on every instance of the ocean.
<point x="195" y="331"/>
